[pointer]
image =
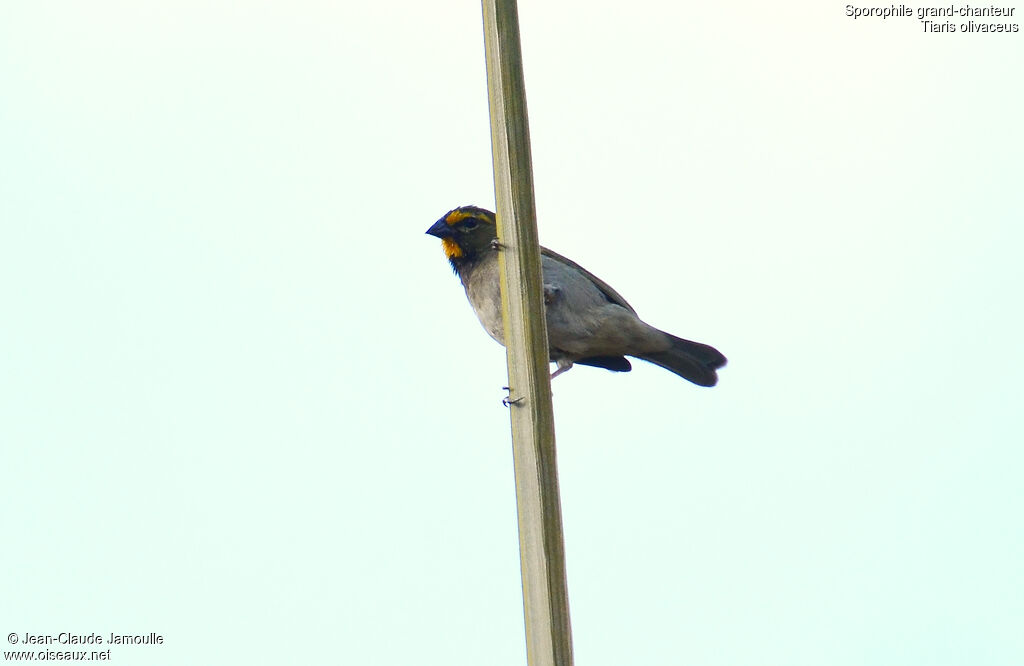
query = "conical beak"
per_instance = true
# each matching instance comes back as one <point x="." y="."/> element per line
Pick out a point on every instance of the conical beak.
<point x="441" y="229"/>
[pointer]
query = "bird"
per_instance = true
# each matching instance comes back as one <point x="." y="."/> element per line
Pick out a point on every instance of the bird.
<point x="588" y="322"/>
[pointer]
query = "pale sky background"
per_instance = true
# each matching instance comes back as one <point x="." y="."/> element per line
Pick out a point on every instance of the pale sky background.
<point x="244" y="404"/>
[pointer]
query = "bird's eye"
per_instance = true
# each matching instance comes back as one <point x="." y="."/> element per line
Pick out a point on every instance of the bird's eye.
<point x="469" y="224"/>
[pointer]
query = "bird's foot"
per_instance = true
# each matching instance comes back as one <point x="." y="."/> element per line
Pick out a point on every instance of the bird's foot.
<point x="563" y="365"/>
<point x="508" y="400"/>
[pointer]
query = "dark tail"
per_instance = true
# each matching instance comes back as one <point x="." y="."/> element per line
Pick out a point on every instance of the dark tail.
<point x="690" y="360"/>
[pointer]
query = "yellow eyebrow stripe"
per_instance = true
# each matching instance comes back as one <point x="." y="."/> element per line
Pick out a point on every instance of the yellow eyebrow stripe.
<point x="456" y="216"/>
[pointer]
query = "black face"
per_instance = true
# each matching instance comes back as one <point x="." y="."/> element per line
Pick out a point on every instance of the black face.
<point x="465" y="232"/>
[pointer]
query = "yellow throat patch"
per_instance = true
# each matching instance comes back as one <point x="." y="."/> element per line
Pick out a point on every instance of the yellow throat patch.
<point x="451" y="248"/>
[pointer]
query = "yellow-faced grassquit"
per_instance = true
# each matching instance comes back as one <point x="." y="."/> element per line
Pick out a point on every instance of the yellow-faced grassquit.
<point x="588" y="322"/>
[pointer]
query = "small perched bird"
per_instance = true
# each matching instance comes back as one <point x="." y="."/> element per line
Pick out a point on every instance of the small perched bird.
<point x="588" y="322"/>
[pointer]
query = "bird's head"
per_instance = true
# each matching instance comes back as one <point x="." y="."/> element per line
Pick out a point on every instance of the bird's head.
<point x="465" y="233"/>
